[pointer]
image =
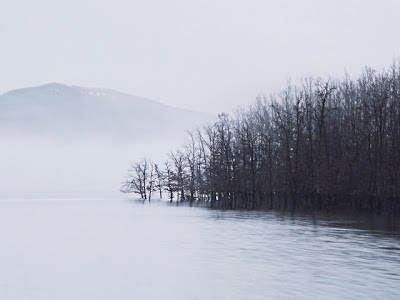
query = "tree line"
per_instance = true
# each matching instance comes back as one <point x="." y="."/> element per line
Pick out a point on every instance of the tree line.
<point x="322" y="144"/>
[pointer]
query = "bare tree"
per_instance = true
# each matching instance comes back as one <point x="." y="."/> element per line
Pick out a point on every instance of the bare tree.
<point x="178" y="160"/>
<point x="159" y="180"/>
<point x="169" y="180"/>
<point x="140" y="179"/>
<point x="321" y="145"/>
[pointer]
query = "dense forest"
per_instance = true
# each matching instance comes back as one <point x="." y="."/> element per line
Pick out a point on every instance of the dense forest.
<point x="322" y="144"/>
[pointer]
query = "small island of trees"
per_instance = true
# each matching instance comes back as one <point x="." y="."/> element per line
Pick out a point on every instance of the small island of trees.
<point x="331" y="144"/>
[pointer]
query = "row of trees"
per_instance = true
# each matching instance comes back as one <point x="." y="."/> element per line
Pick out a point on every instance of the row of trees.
<point x="323" y="144"/>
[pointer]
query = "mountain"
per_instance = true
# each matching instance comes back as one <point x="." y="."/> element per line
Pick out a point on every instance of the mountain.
<point x="72" y="111"/>
<point x="67" y="139"/>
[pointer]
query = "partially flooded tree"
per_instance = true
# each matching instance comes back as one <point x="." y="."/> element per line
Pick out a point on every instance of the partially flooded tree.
<point x="169" y="180"/>
<point x="159" y="179"/>
<point x="140" y="179"/>
<point x="179" y="176"/>
<point x="151" y="182"/>
<point x="320" y="145"/>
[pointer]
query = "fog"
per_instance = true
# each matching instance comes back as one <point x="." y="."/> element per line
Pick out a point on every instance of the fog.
<point x="45" y="165"/>
<point x="58" y="139"/>
<point x="204" y="55"/>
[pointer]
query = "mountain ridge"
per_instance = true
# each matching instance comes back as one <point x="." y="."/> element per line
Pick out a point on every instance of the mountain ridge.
<point x="69" y="109"/>
<point x="91" y="90"/>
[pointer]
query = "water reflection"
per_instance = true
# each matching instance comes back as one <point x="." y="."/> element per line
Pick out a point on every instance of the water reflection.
<point x="386" y="225"/>
<point x="130" y="249"/>
<point x="359" y="252"/>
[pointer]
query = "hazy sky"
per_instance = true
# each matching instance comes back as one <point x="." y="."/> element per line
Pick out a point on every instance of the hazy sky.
<point x="204" y="55"/>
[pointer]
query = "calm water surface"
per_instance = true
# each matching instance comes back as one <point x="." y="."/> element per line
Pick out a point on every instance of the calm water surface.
<point x="120" y="249"/>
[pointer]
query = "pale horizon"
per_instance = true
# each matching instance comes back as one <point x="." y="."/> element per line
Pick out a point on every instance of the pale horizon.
<point x="204" y="56"/>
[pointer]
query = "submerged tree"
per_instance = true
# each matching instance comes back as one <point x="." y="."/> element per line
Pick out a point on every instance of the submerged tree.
<point x="169" y="180"/>
<point x="140" y="179"/>
<point x="319" y="145"/>
<point x="159" y="179"/>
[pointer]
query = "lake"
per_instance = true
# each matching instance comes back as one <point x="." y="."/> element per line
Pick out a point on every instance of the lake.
<point x="114" y="248"/>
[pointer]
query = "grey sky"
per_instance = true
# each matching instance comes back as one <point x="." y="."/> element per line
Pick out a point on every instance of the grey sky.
<point x="204" y="55"/>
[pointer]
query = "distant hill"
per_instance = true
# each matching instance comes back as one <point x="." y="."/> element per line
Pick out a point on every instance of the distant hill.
<point x="72" y="111"/>
<point x="61" y="139"/>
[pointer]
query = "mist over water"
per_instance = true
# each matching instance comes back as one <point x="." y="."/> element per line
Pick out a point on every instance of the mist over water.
<point x="46" y="165"/>
<point x="67" y="232"/>
<point x="309" y="126"/>
<point x="122" y="249"/>
<point x="67" y="139"/>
